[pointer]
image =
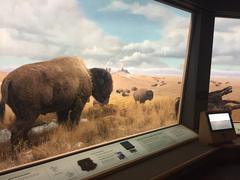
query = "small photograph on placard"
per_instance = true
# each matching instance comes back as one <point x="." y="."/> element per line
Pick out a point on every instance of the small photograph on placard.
<point x="87" y="164"/>
<point x="133" y="150"/>
<point x="120" y="155"/>
<point x="127" y="145"/>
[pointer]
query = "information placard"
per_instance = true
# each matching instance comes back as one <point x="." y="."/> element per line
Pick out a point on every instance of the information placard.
<point x="99" y="160"/>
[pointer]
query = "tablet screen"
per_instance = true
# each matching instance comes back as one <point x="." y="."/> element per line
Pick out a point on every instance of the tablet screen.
<point x="220" y="121"/>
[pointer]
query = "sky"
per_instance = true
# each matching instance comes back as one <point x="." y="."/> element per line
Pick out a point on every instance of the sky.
<point x="144" y="36"/>
<point x="226" y="47"/>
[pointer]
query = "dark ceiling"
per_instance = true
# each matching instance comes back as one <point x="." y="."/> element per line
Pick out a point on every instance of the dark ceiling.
<point x="220" y="7"/>
<point x="227" y="8"/>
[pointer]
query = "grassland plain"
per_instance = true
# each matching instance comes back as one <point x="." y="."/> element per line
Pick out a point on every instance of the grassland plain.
<point x="122" y="117"/>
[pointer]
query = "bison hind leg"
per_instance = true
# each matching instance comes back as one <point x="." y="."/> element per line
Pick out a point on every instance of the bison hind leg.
<point x="62" y="116"/>
<point x="21" y="128"/>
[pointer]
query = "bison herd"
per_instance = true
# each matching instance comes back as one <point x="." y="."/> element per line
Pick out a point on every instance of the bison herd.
<point x="124" y="92"/>
<point x="162" y="83"/>
<point x="139" y="95"/>
<point x="62" y="85"/>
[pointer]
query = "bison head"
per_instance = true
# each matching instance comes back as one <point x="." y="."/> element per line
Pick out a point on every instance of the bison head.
<point x="102" y="84"/>
<point x="149" y="94"/>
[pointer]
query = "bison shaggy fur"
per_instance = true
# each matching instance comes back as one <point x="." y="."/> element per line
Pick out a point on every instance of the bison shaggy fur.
<point x="62" y="85"/>
<point x="142" y="95"/>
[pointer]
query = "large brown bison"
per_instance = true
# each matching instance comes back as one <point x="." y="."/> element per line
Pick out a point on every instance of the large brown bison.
<point x="62" y="85"/>
<point x="142" y="95"/>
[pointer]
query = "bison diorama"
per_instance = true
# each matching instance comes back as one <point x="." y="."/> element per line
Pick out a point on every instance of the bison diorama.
<point x="62" y="85"/>
<point x="216" y="101"/>
<point x="142" y="95"/>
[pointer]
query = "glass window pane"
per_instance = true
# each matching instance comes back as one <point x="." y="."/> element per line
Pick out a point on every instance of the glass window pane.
<point x="141" y="44"/>
<point x="224" y="82"/>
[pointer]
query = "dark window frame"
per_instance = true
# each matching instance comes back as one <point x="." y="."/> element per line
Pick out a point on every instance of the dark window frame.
<point x="195" y="90"/>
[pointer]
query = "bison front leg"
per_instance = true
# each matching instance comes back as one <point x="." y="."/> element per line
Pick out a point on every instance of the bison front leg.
<point x="62" y="116"/>
<point x="77" y="111"/>
<point x="142" y="101"/>
<point x="74" y="117"/>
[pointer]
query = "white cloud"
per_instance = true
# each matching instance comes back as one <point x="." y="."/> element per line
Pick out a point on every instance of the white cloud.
<point x="226" y="24"/>
<point x="152" y="10"/>
<point x="143" y="52"/>
<point x="226" y="44"/>
<point x="220" y="59"/>
<point x="45" y="29"/>
<point x="116" y="5"/>
<point x="173" y="30"/>
<point x="155" y="71"/>
<point x="135" y="59"/>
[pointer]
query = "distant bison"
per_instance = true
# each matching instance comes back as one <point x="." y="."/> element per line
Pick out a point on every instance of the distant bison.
<point x="162" y="83"/>
<point x="126" y="91"/>
<point x="124" y="94"/>
<point x="61" y="85"/>
<point x="134" y="88"/>
<point x="119" y="91"/>
<point x="142" y="95"/>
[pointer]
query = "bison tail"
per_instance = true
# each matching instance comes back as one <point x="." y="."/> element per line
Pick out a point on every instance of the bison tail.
<point x="2" y="111"/>
<point x="3" y="101"/>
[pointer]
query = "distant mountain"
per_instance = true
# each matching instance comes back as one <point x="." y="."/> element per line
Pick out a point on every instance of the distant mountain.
<point x="124" y="70"/>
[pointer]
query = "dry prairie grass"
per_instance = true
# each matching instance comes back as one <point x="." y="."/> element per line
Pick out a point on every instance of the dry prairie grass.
<point x="122" y="117"/>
